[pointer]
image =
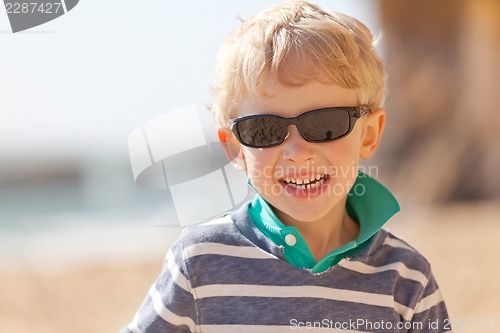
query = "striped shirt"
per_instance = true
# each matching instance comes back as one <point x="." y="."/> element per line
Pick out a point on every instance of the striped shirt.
<point x="224" y="275"/>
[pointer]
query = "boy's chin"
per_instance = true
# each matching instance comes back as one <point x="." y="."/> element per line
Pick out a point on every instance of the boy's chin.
<point x="305" y="213"/>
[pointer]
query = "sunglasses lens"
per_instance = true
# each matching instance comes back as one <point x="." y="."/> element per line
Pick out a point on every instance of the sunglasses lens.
<point x="324" y="125"/>
<point x="262" y="131"/>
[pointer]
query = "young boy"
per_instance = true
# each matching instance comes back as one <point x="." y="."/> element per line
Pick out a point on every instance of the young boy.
<point x="297" y="100"/>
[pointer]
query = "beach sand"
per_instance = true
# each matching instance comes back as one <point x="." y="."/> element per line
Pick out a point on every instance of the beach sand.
<point x="462" y="243"/>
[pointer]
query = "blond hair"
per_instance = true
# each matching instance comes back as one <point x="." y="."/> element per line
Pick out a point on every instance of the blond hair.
<point x="294" y="43"/>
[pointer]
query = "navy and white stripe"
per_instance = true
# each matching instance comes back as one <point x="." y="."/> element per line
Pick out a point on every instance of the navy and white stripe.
<point x="225" y="276"/>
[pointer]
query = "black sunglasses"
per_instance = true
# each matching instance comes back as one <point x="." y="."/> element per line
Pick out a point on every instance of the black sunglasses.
<point x="321" y="125"/>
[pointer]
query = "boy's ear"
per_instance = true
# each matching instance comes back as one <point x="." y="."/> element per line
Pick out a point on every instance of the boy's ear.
<point x="232" y="148"/>
<point x="372" y="133"/>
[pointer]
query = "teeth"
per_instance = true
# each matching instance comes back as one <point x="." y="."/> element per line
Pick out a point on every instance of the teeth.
<point x="303" y="184"/>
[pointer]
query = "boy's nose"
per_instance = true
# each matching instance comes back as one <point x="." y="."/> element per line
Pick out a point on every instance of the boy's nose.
<point x="296" y="148"/>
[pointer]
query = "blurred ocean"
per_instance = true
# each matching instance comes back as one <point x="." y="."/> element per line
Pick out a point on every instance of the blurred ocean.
<point x="65" y="212"/>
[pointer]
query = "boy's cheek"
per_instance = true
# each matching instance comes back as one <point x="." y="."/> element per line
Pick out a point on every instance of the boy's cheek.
<point x="259" y="173"/>
<point x="258" y="159"/>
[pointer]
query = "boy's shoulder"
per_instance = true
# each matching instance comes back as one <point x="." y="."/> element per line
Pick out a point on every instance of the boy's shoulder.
<point x="225" y="234"/>
<point x="389" y="250"/>
<point x="218" y="229"/>
<point x="210" y="230"/>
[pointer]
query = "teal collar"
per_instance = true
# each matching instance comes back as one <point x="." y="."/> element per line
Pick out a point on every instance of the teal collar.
<point x="369" y="202"/>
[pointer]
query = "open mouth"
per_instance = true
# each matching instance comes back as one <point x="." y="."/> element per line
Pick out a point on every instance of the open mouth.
<point x="311" y="183"/>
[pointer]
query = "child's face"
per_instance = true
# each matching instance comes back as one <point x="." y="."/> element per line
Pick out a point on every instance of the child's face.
<point x="301" y="161"/>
